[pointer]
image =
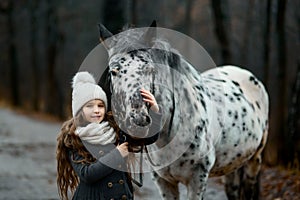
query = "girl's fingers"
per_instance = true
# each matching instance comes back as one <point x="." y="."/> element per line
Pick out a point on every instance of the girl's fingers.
<point x="147" y="94"/>
<point x="149" y="101"/>
<point x="148" y="97"/>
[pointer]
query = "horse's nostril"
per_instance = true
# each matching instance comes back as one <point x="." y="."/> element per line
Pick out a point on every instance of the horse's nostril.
<point x="140" y="119"/>
<point x="148" y="119"/>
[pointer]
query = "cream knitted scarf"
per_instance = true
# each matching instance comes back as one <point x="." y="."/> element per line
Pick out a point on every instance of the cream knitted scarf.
<point x="95" y="133"/>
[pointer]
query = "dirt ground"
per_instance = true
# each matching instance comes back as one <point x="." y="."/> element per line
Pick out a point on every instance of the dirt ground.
<point x="28" y="167"/>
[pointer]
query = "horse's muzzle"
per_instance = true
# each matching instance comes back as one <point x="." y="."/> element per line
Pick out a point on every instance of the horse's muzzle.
<point x="138" y="125"/>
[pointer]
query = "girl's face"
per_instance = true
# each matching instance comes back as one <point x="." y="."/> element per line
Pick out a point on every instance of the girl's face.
<point x="94" y="111"/>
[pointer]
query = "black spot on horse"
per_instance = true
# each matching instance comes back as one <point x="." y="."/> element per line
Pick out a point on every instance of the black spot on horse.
<point x="236" y="83"/>
<point x="257" y="104"/>
<point x="253" y="79"/>
<point x="207" y="161"/>
<point x="196" y="106"/>
<point x="132" y="55"/>
<point x="136" y="85"/>
<point x="236" y="116"/>
<point x="219" y="80"/>
<point x="199" y="129"/>
<point x="244" y="111"/>
<point x="192" y="146"/>
<point x="203" y="104"/>
<point x="203" y="168"/>
<point x="236" y="94"/>
<point x="252" y="106"/>
<point x="139" y="73"/>
<point x="244" y="126"/>
<point x="252" y="123"/>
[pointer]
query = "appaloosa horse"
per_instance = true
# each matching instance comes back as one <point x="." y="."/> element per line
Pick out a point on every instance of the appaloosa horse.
<point x="215" y="123"/>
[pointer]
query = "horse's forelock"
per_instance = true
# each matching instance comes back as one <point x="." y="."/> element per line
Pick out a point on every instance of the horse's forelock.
<point x="126" y="41"/>
<point x="131" y="39"/>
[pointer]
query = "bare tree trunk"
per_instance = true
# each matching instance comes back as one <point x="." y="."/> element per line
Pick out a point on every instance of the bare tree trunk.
<point x="132" y="12"/>
<point x="113" y="15"/>
<point x="294" y="123"/>
<point x="222" y="27"/>
<point x="188" y="16"/>
<point x="282" y="98"/>
<point x="14" y="73"/>
<point x="53" y="105"/>
<point x="248" y="31"/>
<point x="267" y="42"/>
<point x="35" y="71"/>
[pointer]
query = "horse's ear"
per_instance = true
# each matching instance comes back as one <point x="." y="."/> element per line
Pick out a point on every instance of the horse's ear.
<point x="103" y="35"/>
<point x="149" y="35"/>
<point x="103" y="32"/>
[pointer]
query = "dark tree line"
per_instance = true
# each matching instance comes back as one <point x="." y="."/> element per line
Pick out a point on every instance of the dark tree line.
<point x="43" y="43"/>
<point x="222" y="28"/>
<point x="7" y="10"/>
<point x="286" y="125"/>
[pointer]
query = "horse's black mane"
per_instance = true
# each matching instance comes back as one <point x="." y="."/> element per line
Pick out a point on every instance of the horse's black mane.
<point x="165" y="57"/>
<point x="104" y="83"/>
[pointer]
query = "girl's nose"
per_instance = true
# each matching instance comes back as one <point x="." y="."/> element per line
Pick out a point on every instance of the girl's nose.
<point x="96" y="109"/>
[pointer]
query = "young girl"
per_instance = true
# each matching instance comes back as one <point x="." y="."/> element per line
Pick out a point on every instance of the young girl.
<point x="90" y="162"/>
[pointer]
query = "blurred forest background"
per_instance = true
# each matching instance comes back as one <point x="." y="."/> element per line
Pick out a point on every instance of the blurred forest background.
<point x="43" y="43"/>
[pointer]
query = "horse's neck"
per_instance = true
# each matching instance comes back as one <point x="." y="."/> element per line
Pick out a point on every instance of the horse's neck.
<point x="178" y="93"/>
<point x="190" y="72"/>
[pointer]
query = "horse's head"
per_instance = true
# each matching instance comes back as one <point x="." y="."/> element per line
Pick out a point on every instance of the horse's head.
<point x="129" y="73"/>
<point x="130" y="69"/>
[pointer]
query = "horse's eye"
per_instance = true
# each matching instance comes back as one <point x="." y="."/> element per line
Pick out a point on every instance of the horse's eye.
<point x="114" y="72"/>
<point x="115" y="69"/>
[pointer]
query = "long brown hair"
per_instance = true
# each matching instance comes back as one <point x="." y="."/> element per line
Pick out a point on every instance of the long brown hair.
<point x="68" y="141"/>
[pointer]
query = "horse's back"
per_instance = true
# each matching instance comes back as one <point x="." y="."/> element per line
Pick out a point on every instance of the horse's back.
<point x="252" y="88"/>
<point x="241" y="108"/>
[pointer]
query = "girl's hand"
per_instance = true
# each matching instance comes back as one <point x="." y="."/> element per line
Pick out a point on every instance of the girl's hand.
<point x="149" y="98"/>
<point x="123" y="149"/>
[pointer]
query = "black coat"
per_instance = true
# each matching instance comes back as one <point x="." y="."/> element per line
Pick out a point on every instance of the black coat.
<point x="106" y="178"/>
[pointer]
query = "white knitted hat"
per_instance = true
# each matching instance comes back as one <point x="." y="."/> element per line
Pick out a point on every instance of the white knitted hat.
<point x="84" y="90"/>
